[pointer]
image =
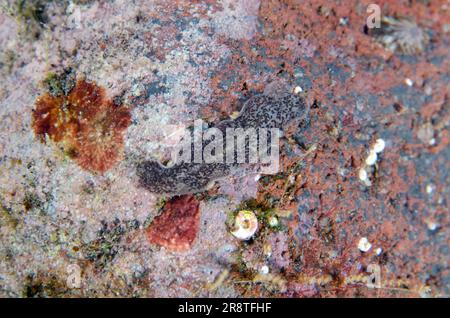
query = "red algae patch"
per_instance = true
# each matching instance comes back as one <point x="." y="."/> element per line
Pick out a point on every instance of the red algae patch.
<point x="87" y="126"/>
<point x="177" y="226"/>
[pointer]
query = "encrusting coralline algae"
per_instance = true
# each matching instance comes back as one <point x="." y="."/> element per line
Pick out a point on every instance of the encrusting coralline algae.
<point x="260" y="111"/>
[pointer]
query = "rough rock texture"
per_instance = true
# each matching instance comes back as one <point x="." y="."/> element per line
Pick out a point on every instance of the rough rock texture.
<point x="172" y="62"/>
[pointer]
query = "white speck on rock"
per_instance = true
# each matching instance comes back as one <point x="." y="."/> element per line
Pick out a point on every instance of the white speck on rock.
<point x="371" y="158"/>
<point x="264" y="270"/>
<point x="409" y="82"/>
<point x="362" y="174"/>
<point x="273" y="221"/>
<point x="379" y="145"/>
<point x="432" y="141"/>
<point x="364" y="245"/>
<point x="432" y="225"/>
<point x="298" y="90"/>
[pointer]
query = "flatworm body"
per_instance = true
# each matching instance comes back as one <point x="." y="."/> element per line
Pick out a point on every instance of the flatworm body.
<point x="260" y="111"/>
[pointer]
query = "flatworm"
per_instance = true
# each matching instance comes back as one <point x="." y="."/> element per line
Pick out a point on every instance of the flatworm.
<point x="260" y="111"/>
